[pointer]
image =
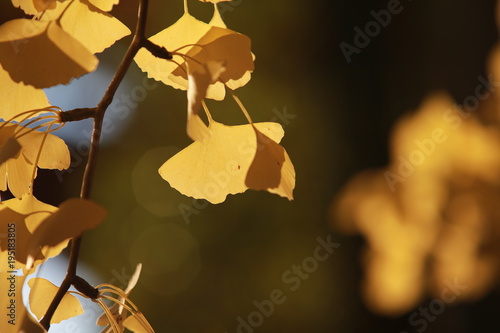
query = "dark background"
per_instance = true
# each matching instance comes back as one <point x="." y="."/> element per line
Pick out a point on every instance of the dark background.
<point x="202" y="276"/>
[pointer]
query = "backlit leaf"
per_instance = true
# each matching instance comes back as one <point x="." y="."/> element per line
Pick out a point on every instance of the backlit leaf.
<point x="17" y="97"/>
<point x="219" y="165"/>
<point x="9" y="149"/>
<point x="200" y="77"/>
<point x="15" y="319"/>
<point x="42" y="54"/>
<point x="33" y="7"/>
<point x="73" y="218"/>
<point x="24" y="215"/>
<point x="16" y="172"/>
<point x="41" y="294"/>
<point x="214" y="44"/>
<point x="94" y="28"/>
<point x="105" y="5"/>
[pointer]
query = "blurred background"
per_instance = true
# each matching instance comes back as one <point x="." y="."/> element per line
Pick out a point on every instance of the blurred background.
<point x="214" y="268"/>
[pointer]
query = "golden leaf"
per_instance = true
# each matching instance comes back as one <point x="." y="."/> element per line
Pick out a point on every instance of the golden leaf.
<point x="200" y="77"/>
<point x="41" y="294"/>
<point x="215" y="1"/>
<point x="87" y="24"/>
<point x="24" y="216"/>
<point x="71" y="220"/>
<point x="16" y="172"/>
<point x="201" y="42"/>
<point x="230" y="161"/>
<point x="33" y="7"/>
<point x="42" y="54"/>
<point x="9" y="149"/>
<point x="17" y="97"/>
<point x="16" y="319"/>
<point x="105" y="5"/>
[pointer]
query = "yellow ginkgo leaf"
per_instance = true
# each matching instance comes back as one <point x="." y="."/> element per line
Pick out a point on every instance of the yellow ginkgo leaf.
<point x="22" y="217"/>
<point x="71" y="220"/>
<point x="117" y="310"/>
<point x="215" y="1"/>
<point x="227" y="47"/>
<point x="200" y="77"/>
<point x="202" y="42"/>
<point x="33" y="7"/>
<point x="219" y="165"/>
<point x="17" y="171"/>
<point x="135" y="324"/>
<point x="9" y="149"/>
<point x="18" y="97"/>
<point x="42" y="54"/>
<point x="271" y="169"/>
<point x="105" y="5"/>
<point x="179" y="36"/>
<point x="41" y="294"/>
<point x="86" y="23"/>
<point x="16" y="319"/>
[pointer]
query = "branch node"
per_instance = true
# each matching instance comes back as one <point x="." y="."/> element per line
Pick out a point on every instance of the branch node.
<point x="76" y="114"/>
<point x="156" y="50"/>
<point x="85" y="288"/>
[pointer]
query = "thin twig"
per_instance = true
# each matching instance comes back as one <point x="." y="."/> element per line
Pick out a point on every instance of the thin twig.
<point x="88" y="176"/>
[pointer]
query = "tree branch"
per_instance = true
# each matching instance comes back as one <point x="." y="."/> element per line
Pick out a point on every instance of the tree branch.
<point x="88" y="177"/>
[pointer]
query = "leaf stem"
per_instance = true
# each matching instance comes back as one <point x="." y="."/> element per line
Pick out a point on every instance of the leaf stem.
<point x="89" y="173"/>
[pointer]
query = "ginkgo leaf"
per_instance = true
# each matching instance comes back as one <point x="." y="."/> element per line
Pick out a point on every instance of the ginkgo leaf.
<point x="54" y="155"/>
<point x="33" y="7"/>
<point x="105" y="5"/>
<point x="116" y="309"/>
<point x="24" y="215"/>
<point x="41" y="295"/>
<point x="17" y="97"/>
<point x="200" y="77"/>
<point x="86" y="23"/>
<point x="42" y="54"/>
<point x="228" y="47"/>
<point x="271" y="168"/>
<point x="201" y="42"/>
<point x="217" y="166"/>
<point x="71" y="220"/>
<point x="9" y="149"/>
<point x="215" y="1"/>
<point x="133" y="324"/>
<point x="17" y="171"/>
<point x="15" y="319"/>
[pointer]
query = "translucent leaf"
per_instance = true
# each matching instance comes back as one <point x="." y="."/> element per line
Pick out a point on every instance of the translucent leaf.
<point x="87" y="24"/>
<point x="15" y="319"/>
<point x="212" y="44"/>
<point x="71" y="220"/>
<point x="200" y="77"/>
<point x="41" y="294"/>
<point x="227" y="47"/>
<point x="105" y="5"/>
<point x="33" y="7"/>
<point x="17" y="171"/>
<point x="18" y="97"/>
<point x="134" y="324"/>
<point x="215" y="1"/>
<point x="271" y="169"/>
<point x="9" y="149"/>
<point x="24" y="216"/>
<point x="42" y="54"/>
<point x="219" y="165"/>
<point x="55" y="153"/>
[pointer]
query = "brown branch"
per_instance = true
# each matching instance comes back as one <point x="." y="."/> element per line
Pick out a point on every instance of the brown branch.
<point x="88" y="176"/>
